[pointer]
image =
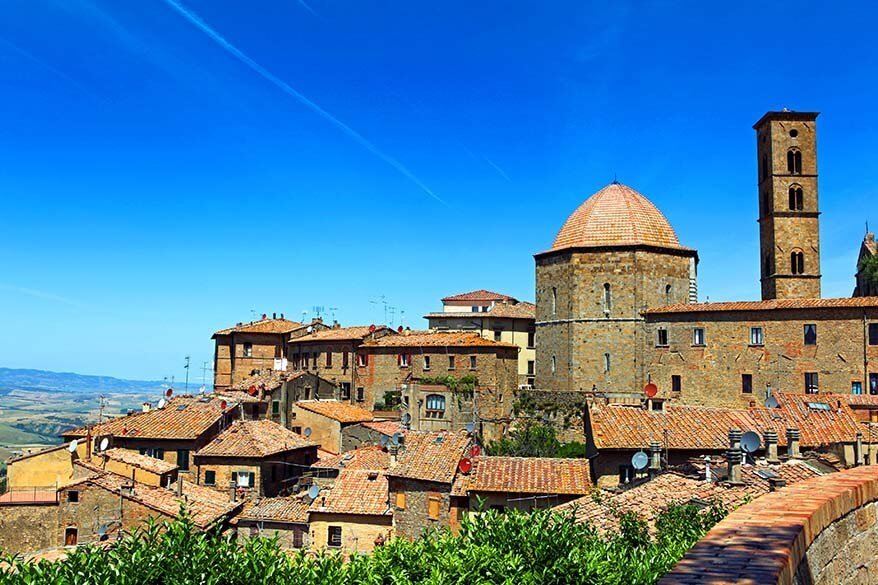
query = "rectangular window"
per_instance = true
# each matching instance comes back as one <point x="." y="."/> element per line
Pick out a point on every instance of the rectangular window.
<point x="856" y="387"/>
<point x="362" y="359"/>
<point x="873" y="383"/>
<point x="451" y="362"/>
<point x="747" y="383"/>
<point x="698" y="336"/>
<point x="474" y="309"/>
<point x="531" y="339"/>
<point x="73" y="496"/>
<point x="328" y="359"/>
<point x="183" y="459"/>
<point x="344" y="359"/>
<point x="275" y="407"/>
<point x="298" y="537"/>
<point x="756" y="336"/>
<point x="531" y="366"/>
<point x="333" y="536"/>
<point x="676" y="383"/>
<point x="314" y="357"/>
<point x="498" y="335"/>
<point x="873" y="333"/>
<point x="403" y="360"/>
<point x="472" y="362"/>
<point x="811" y="383"/>
<point x="426" y="362"/>
<point x="345" y="390"/>
<point x="661" y="337"/>
<point x="153" y="452"/>
<point x="810" y="334"/>
<point x="248" y="350"/>
<point x="296" y="361"/>
<point x="209" y="477"/>
<point x="243" y="479"/>
<point x="307" y="392"/>
<point x="434" y="505"/>
<point x="361" y="394"/>
<point x="400" y="500"/>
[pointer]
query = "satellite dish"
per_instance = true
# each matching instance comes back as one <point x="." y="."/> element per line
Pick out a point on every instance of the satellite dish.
<point x="639" y="460"/>
<point x="162" y="403"/>
<point x="406" y="418"/>
<point x="399" y="329"/>
<point x="223" y="404"/>
<point x="771" y="402"/>
<point x="750" y="442"/>
<point x="384" y="440"/>
<point x="102" y="531"/>
<point x="371" y="328"/>
<point x="73" y="445"/>
<point x="475" y="451"/>
<point x="314" y="491"/>
<point x="395" y="438"/>
<point x="252" y="391"/>
<point x="307" y="432"/>
<point x="105" y="442"/>
<point x="309" y="329"/>
<point x="202" y="390"/>
<point x="650" y="390"/>
<point x="168" y="392"/>
<point x="465" y="465"/>
<point x="470" y="427"/>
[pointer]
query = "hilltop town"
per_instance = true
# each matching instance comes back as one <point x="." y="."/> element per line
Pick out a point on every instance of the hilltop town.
<point x="341" y="437"/>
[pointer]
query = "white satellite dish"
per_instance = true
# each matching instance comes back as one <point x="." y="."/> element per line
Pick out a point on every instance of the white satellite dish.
<point x="313" y="491"/>
<point x="470" y="427"/>
<point x="309" y="329"/>
<point x="750" y="442"/>
<point x="771" y="402"/>
<point x="73" y="445"/>
<point x="105" y="442"/>
<point x="395" y="438"/>
<point x="639" y="460"/>
<point x="307" y="432"/>
<point x="202" y="390"/>
<point x="162" y="403"/>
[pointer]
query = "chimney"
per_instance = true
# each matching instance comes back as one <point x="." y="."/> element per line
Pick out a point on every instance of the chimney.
<point x="858" y="450"/>
<point x="179" y="485"/>
<point x="770" y="438"/>
<point x="393" y="450"/>
<point x="734" y="456"/>
<point x="655" y="465"/>
<point x="735" y="438"/>
<point x="793" y="443"/>
<point x="775" y="483"/>
<point x="281" y="315"/>
<point x="264" y="316"/>
<point x="232" y="489"/>
<point x="146" y="406"/>
<point x="707" y="476"/>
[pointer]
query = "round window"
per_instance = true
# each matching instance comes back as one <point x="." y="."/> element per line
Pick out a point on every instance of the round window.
<point x="794" y="133"/>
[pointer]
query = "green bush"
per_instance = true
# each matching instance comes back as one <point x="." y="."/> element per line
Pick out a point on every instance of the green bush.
<point x="535" y="440"/>
<point x="540" y="547"/>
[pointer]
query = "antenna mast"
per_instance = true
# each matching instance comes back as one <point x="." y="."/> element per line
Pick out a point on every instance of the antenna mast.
<point x="187" y="375"/>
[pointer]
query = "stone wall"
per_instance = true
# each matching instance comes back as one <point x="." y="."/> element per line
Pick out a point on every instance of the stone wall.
<point x="28" y="528"/>
<point x="413" y="519"/>
<point x="326" y="432"/>
<point x="818" y="531"/>
<point x="358" y="531"/>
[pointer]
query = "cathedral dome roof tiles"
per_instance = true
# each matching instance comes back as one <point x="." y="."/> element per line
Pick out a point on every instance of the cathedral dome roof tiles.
<point x="616" y="215"/>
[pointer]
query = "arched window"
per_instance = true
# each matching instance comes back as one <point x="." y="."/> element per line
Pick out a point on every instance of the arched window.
<point x="797" y="262"/>
<point x="435" y="404"/>
<point x="797" y="200"/>
<point x="668" y="291"/>
<point x="606" y="362"/>
<point x="554" y="300"/>
<point x="794" y="161"/>
<point x="608" y="298"/>
<point x="554" y="364"/>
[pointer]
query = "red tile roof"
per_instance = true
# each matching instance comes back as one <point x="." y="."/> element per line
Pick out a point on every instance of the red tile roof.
<point x="353" y="333"/>
<point x="183" y="417"/>
<point x="436" y="339"/>
<point x="371" y="457"/>
<point x="522" y="310"/>
<point x="269" y="381"/>
<point x="773" y="305"/>
<point x="479" y="295"/>
<point x="355" y="491"/>
<point x="283" y="509"/>
<point x="343" y="412"/>
<point x="263" y="326"/>
<point x="135" y="459"/>
<point x="431" y="456"/>
<point x="255" y="439"/>
<point x="616" y="215"/>
<point x="529" y="475"/>
<point x="385" y="427"/>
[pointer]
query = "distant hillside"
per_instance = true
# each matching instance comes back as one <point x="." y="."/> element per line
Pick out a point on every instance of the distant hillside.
<point x="42" y="380"/>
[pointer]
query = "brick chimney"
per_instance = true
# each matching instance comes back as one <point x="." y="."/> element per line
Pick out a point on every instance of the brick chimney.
<point x="734" y="456"/>
<point x="655" y="465"/>
<point x="735" y="438"/>
<point x="393" y="450"/>
<point x="793" y="443"/>
<point x="858" y="450"/>
<point x="770" y="438"/>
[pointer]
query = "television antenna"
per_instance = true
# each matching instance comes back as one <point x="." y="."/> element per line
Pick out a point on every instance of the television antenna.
<point x="186" y="367"/>
<point x="317" y="310"/>
<point x="332" y="310"/>
<point x="205" y="367"/>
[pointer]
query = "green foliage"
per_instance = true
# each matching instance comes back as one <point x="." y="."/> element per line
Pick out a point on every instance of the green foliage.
<point x="465" y="383"/>
<point x="869" y="266"/>
<point x="526" y="548"/>
<point x="535" y="441"/>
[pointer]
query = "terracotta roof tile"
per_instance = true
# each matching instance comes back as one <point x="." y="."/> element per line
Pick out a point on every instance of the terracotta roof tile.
<point x="773" y="305"/>
<point x="263" y="326"/>
<point x="479" y="295"/>
<point x="385" y="427"/>
<point x="522" y="310"/>
<point x="529" y="475"/>
<point x="372" y="457"/>
<point x="254" y="438"/>
<point x="183" y="417"/>
<point x="341" y="334"/>
<point x="431" y="456"/>
<point x="269" y="381"/>
<point x="355" y="491"/>
<point x="436" y="339"/>
<point x="135" y="459"/>
<point x="343" y="412"/>
<point x="282" y="509"/>
<point x="616" y="216"/>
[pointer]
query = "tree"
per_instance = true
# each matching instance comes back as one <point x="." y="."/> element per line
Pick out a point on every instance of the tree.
<point x="869" y="268"/>
<point x="535" y="440"/>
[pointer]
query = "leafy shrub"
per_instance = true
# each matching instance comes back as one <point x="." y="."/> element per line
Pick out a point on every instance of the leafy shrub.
<point x="526" y="548"/>
<point x="535" y="441"/>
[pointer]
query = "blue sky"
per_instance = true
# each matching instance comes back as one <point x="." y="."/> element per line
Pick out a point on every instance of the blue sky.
<point x="159" y="183"/>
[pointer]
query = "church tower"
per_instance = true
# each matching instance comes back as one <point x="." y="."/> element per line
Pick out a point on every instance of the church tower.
<point x="788" y="213"/>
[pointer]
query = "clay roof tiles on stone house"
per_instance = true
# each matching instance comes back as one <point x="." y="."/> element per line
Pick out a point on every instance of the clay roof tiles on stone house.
<point x="254" y="439"/>
<point x="183" y="417"/>
<point x="522" y="310"/>
<point x="479" y="295"/>
<point x="263" y="326"/>
<point x="343" y="412"/>
<point x="529" y="475"/>
<point x="292" y="509"/>
<point x="371" y="458"/>
<point x="353" y="333"/>
<point x="270" y="380"/>
<point x="431" y="456"/>
<point x="135" y="459"/>
<point x="772" y="305"/>
<point x="355" y="491"/>
<point x="436" y="339"/>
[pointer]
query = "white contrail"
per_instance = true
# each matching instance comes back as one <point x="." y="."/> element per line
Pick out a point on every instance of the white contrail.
<point x="222" y="42"/>
<point x="46" y="296"/>
<point x="308" y="8"/>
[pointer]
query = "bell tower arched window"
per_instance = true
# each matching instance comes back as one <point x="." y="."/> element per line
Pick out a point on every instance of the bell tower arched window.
<point x="797" y="262"/>
<point x="608" y="298"/>
<point x="794" y="161"/>
<point x="554" y="300"/>
<point x="797" y="200"/>
<point x="668" y="290"/>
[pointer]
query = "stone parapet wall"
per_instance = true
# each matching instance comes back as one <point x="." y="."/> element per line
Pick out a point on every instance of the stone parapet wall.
<point x="819" y="531"/>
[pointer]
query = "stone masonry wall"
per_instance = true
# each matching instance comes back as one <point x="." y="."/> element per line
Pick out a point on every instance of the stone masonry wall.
<point x="413" y="520"/>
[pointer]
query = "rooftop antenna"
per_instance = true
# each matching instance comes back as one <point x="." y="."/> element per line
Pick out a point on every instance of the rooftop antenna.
<point x="392" y="310"/>
<point x="317" y="310"/>
<point x="313" y="491"/>
<point x="615" y="180"/>
<point x="304" y="314"/>
<point x="333" y="310"/>
<point x="383" y="302"/>
<point x="102" y="404"/>
<point x="252" y="314"/>
<point x="204" y="368"/>
<point x="186" y="387"/>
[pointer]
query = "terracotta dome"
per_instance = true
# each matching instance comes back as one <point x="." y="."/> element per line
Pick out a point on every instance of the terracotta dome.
<point x="616" y="216"/>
